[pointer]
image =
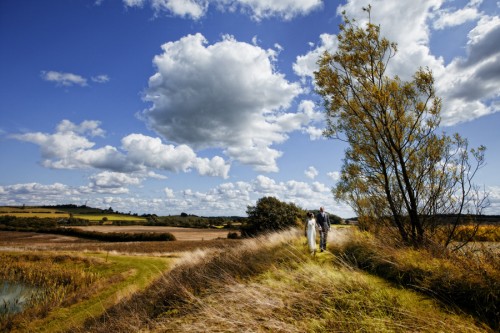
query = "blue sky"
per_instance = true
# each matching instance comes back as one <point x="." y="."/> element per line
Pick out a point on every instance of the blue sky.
<point x="205" y="106"/>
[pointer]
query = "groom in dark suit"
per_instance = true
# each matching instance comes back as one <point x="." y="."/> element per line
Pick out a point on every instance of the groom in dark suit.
<point x="323" y="222"/>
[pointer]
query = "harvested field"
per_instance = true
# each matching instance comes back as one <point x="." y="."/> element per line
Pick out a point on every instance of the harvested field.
<point x="30" y="241"/>
<point x="182" y="234"/>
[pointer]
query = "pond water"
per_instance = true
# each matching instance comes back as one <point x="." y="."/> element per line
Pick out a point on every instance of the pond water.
<point x="15" y="296"/>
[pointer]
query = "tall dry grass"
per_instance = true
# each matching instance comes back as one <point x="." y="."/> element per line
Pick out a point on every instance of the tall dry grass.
<point x="468" y="280"/>
<point x="272" y="284"/>
<point x="193" y="274"/>
<point x="61" y="280"/>
<point x="311" y="298"/>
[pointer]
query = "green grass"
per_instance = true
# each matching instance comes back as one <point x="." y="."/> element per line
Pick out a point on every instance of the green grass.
<point x="119" y="277"/>
<point x="272" y="284"/>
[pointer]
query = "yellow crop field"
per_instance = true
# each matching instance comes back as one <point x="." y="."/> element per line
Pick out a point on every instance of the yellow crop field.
<point x="53" y="213"/>
<point x="40" y="215"/>
<point x="32" y="212"/>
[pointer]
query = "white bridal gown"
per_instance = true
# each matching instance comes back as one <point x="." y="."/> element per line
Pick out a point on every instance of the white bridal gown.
<point x="311" y="234"/>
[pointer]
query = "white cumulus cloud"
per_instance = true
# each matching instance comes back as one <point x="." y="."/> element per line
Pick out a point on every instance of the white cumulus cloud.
<point x="311" y="172"/>
<point x="468" y="85"/>
<point x="70" y="148"/>
<point x="226" y="95"/>
<point x="334" y="175"/>
<point x="100" y="78"/>
<point x="450" y="18"/>
<point x="262" y="9"/>
<point x="256" y="9"/>
<point x="64" y="79"/>
<point x="109" y="179"/>
<point x="71" y="79"/>
<point x="231" y="198"/>
<point x="169" y="193"/>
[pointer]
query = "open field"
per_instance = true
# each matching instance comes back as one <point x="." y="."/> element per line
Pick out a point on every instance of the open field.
<point x="33" y="212"/>
<point x="267" y="284"/>
<point x="30" y="241"/>
<point x="57" y="213"/>
<point x="272" y="284"/>
<point x="183" y="234"/>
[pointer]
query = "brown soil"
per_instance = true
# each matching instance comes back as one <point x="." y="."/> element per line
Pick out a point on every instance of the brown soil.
<point x="191" y="234"/>
<point x="188" y="239"/>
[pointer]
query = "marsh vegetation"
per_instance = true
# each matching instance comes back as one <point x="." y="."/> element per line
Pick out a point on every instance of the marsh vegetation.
<point x="268" y="283"/>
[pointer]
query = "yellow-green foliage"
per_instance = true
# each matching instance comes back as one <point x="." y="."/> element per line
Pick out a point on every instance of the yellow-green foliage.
<point x="485" y="233"/>
<point x="312" y="298"/>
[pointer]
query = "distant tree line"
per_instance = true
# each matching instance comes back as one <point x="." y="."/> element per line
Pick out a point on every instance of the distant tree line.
<point x="192" y="221"/>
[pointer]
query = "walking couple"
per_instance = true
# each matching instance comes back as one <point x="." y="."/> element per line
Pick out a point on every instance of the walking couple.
<point x="322" y="222"/>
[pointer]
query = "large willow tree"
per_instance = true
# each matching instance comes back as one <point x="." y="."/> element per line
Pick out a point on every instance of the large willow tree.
<point x="397" y="169"/>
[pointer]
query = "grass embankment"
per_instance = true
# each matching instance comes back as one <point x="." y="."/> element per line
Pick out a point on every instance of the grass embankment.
<point x="467" y="280"/>
<point x="271" y="284"/>
<point x="75" y="287"/>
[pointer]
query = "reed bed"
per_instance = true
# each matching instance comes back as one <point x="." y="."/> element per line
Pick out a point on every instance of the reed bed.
<point x="60" y="280"/>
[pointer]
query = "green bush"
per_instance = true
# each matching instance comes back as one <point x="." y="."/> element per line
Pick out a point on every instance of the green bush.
<point x="270" y="214"/>
<point x="233" y="235"/>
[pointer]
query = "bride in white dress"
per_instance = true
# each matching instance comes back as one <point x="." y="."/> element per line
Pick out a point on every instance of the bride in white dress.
<point x="311" y="232"/>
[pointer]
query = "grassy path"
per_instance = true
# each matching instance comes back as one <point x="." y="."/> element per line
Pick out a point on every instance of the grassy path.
<point x="124" y="275"/>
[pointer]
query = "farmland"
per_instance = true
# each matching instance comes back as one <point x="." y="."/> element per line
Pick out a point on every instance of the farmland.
<point x="186" y="234"/>
<point x="205" y="282"/>
<point x="33" y="212"/>
<point x="92" y="216"/>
